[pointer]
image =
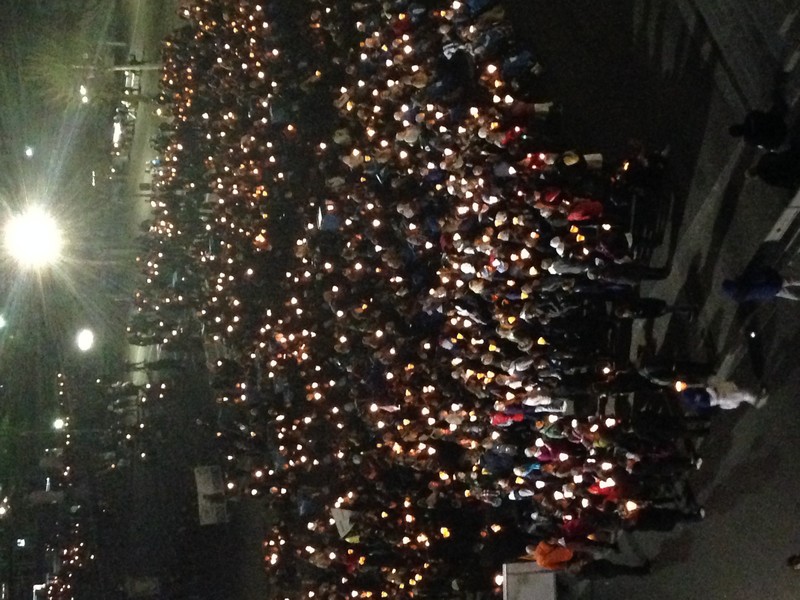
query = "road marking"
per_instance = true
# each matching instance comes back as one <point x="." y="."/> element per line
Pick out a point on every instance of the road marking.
<point x="787" y="23"/>
<point x="730" y="362"/>
<point x="783" y="223"/>
<point x="785" y="220"/>
<point x="791" y="62"/>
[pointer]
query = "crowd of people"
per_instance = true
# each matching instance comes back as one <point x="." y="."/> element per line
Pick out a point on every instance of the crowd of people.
<point x="414" y="300"/>
<point x="111" y="440"/>
<point x="70" y="551"/>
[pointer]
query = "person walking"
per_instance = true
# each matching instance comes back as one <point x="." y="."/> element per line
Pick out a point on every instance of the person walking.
<point x="778" y="169"/>
<point x="554" y="556"/>
<point x="760" y="284"/>
<point x="765" y="130"/>
<point x="717" y="393"/>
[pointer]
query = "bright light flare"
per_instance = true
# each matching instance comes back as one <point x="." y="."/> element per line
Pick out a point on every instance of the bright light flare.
<point x="85" y="340"/>
<point x="33" y="239"/>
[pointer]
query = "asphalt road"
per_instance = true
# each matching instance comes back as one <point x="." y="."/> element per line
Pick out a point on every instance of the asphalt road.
<point x="670" y="74"/>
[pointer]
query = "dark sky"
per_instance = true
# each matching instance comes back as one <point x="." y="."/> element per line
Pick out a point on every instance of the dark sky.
<point x="69" y="142"/>
<point x="91" y="286"/>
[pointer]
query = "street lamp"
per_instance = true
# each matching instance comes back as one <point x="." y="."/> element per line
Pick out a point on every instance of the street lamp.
<point x="33" y="238"/>
<point x="85" y="340"/>
<point x="59" y="424"/>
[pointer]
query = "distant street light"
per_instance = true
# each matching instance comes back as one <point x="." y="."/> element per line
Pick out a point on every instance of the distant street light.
<point x="85" y="340"/>
<point x="59" y="424"/>
<point x="29" y="151"/>
<point x="33" y="239"/>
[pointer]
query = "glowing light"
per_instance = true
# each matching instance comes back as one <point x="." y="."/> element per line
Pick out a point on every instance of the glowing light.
<point x="33" y="239"/>
<point x="85" y="340"/>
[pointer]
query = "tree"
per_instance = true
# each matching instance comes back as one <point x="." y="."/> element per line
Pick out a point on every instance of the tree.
<point x="61" y="67"/>
<point x="76" y="65"/>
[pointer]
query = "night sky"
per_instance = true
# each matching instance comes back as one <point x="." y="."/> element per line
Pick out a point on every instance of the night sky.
<point x="55" y="153"/>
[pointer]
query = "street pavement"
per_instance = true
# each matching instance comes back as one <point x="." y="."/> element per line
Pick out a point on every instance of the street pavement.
<point x="677" y="74"/>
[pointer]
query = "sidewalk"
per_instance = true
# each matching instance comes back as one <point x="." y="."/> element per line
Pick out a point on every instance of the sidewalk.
<point x="755" y="39"/>
<point x="678" y="74"/>
<point x="748" y="476"/>
<point x="738" y="214"/>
